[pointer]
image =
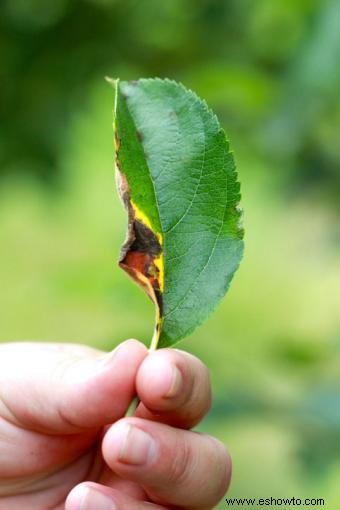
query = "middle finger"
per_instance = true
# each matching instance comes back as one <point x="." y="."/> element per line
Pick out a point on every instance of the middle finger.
<point x="174" y="388"/>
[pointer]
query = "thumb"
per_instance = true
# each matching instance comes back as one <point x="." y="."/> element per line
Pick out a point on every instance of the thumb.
<point x="66" y="388"/>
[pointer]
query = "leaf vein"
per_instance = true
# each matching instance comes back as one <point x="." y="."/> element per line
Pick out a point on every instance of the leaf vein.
<point x="211" y="254"/>
<point x="195" y="193"/>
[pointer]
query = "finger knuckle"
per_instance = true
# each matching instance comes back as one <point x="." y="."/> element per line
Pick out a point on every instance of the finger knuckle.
<point x="224" y="468"/>
<point x="180" y="466"/>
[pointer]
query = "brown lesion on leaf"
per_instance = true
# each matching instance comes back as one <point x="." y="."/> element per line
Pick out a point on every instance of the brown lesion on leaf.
<point x="140" y="249"/>
<point x="117" y="144"/>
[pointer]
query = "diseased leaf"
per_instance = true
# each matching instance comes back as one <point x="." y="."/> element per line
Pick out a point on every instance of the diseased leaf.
<point x="177" y="179"/>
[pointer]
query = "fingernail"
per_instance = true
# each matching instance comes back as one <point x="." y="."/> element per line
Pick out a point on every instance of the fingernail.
<point x="176" y="383"/>
<point x="95" y="499"/>
<point x="137" y="447"/>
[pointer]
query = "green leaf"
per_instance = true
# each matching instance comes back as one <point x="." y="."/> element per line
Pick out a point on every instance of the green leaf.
<point x="177" y="179"/>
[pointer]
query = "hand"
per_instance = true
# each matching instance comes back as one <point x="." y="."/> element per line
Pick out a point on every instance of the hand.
<point x="65" y="442"/>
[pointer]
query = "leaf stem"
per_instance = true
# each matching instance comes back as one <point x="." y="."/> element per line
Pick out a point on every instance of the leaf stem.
<point x="154" y="342"/>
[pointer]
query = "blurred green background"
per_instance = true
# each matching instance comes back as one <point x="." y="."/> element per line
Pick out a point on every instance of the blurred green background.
<point x="270" y="69"/>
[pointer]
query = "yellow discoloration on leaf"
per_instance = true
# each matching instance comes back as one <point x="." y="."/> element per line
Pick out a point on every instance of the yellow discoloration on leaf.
<point x="158" y="261"/>
<point x="141" y="216"/>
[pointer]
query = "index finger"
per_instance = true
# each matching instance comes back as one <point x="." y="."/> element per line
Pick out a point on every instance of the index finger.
<point x="174" y="388"/>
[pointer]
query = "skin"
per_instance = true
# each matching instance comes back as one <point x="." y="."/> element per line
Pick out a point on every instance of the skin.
<point x="65" y="442"/>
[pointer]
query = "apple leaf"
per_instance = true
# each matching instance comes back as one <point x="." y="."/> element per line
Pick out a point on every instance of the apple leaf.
<point x="177" y="179"/>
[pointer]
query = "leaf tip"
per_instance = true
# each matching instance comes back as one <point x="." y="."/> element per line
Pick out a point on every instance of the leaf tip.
<point x="112" y="81"/>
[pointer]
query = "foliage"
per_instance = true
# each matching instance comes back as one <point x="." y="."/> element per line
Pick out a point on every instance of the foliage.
<point x="178" y="181"/>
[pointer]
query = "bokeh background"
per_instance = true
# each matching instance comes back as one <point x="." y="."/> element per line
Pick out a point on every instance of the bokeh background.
<point x="271" y="71"/>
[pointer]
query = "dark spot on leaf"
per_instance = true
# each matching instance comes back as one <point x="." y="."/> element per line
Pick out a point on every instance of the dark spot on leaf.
<point x="159" y="298"/>
<point x="145" y="240"/>
<point x="140" y="136"/>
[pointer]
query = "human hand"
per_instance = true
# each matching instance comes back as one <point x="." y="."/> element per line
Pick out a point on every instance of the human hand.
<point x="65" y="442"/>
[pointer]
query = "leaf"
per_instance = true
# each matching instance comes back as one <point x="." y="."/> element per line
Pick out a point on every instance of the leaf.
<point x="177" y="179"/>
